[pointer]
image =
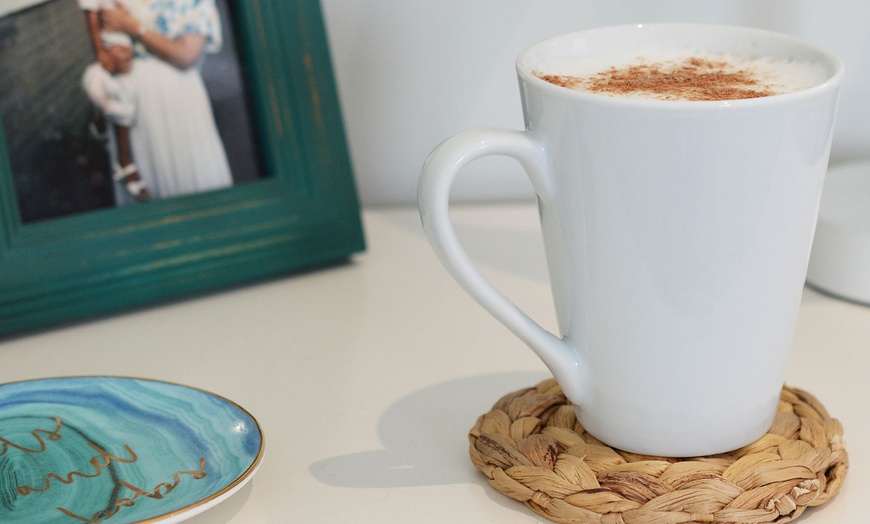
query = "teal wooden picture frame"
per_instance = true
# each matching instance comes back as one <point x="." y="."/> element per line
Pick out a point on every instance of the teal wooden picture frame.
<point x="303" y="212"/>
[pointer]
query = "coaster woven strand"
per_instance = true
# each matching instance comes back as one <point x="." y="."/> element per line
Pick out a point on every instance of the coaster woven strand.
<point x="532" y="449"/>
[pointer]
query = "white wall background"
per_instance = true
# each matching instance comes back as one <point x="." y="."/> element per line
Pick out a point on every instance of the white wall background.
<point x="412" y="72"/>
<point x="11" y="6"/>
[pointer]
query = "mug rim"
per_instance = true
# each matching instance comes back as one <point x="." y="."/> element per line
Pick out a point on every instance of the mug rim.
<point x="830" y="60"/>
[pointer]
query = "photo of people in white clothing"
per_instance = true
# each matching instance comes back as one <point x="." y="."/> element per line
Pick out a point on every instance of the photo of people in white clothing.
<point x="122" y="102"/>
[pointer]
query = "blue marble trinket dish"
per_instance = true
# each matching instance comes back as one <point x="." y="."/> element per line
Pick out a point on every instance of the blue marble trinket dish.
<point x="119" y="450"/>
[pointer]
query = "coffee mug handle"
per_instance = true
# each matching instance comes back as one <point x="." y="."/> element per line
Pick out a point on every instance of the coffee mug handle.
<point x="433" y="196"/>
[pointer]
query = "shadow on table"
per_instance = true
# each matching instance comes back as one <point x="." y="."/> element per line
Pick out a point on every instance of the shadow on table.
<point x="425" y="436"/>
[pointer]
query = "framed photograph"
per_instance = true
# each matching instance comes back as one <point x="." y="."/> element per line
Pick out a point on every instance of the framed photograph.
<point x="164" y="148"/>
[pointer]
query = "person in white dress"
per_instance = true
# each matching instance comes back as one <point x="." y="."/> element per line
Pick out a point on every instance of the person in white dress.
<point x="175" y="141"/>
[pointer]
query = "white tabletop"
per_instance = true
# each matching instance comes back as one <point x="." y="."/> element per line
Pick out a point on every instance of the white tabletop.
<point x="367" y="376"/>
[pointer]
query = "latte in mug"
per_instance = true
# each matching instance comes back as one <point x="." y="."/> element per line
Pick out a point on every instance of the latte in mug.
<point x="677" y="74"/>
<point x="676" y="232"/>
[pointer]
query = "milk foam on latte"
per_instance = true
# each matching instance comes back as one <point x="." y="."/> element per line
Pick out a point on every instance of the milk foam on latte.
<point x="677" y="74"/>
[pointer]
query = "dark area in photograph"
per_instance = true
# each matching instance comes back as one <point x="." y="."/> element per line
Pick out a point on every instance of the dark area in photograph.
<point x="224" y="75"/>
<point x="60" y="166"/>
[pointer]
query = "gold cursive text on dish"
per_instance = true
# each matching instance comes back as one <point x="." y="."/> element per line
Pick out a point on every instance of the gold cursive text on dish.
<point x="158" y="492"/>
<point x="37" y="434"/>
<point x="99" y="461"/>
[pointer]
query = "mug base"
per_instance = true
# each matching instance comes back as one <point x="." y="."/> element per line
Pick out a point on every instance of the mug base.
<point x="680" y="440"/>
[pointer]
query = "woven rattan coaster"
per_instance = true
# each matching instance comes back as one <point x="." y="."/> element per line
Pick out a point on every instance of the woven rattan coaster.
<point x="532" y="449"/>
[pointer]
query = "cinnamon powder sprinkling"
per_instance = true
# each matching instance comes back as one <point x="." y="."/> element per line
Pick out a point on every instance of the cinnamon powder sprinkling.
<point x="695" y="79"/>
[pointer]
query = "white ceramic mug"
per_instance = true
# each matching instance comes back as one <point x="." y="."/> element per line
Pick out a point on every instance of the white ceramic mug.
<point x="677" y="236"/>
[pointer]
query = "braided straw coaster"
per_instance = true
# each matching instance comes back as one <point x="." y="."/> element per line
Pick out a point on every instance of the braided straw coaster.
<point x="531" y="448"/>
